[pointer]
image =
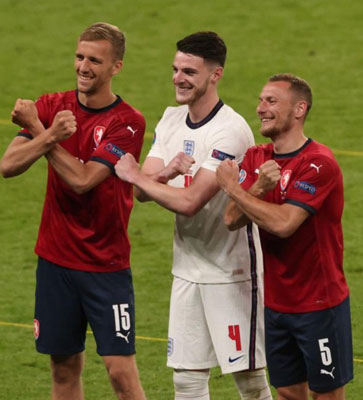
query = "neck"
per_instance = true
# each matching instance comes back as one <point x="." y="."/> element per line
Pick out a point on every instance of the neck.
<point x="288" y="142"/>
<point x="199" y="110"/>
<point x="97" y="100"/>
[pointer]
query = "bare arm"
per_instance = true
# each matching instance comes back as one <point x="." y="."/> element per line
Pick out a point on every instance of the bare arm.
<point x="187" y="201"/>
<point x="156" y="170"/>
<point x="80" y="177"/>
<point x="268" y="176"/>
<point x="23" y="152"/>
<point x="279" y="219"/>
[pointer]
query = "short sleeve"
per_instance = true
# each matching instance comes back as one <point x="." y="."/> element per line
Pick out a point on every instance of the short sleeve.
<point x="230" y="143"/>
<point x="122" y="138"/>
<point x="247" y="174"/>
<point x="311" y="184"/>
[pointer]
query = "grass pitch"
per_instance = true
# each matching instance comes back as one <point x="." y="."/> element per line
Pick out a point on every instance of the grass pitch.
<point x="319" y="40"/>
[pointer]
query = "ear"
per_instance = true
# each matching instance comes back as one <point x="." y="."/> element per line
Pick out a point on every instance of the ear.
<point x="300" y="109"/>
<point x="217" y="74"/>
<point x="117" y="66"/>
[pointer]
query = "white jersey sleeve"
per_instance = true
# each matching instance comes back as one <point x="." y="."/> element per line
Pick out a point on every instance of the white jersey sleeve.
<point x="231" y="141"/>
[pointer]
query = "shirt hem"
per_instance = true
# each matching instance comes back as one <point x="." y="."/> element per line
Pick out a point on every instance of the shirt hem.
<point x="82" y="267"/>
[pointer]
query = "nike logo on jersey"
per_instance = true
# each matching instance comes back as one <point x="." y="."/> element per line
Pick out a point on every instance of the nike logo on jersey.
<point x="232" y="360"/>
<point x="131" y="130"/>
<point x="316" y="167"/>
<point x="324" y="372"/>
<point x="119" y="334"/>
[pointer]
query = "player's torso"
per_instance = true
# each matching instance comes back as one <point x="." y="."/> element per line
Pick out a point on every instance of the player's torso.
<point x="204" y="250"/>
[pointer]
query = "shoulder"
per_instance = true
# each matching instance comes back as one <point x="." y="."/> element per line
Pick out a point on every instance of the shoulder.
<point x="174" y="113"/>
<point x="126" y="114"/>
<point x="320" y="155"/>
<point x="58" y="97"/>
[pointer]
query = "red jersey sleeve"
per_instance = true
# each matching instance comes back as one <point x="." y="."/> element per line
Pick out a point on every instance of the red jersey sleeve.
<point x="122" y="138"/>
<point x="313" y="181"/>
<point x="248" y="174"/>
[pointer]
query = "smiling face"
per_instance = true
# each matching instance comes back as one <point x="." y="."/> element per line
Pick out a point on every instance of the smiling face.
<point x="193" y="78"/>
<point x="276" y="109"/>
<point x="95" y="66"/>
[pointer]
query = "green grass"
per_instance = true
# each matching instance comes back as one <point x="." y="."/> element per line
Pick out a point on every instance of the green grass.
<point x="320" y="40"/>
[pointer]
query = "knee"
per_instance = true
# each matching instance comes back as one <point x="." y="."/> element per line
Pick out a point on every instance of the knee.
<point x="192" y="384"/>
<point x="123" y="375"/>
<point x="66" y="369"/>
<point x="252" y="385"/>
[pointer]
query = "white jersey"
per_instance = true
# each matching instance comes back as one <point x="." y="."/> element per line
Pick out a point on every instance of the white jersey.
<point x="205" y="251"/>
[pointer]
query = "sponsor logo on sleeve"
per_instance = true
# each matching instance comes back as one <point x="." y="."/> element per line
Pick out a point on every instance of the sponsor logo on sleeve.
<point x="242" y="176"/>
<point x="154" y="138"/>
<point x="189" y="146"/>
<point x="307" y="187"/>
<point x="170" y="346"/>
<point x="220" y="155"/>
<point x="112" y="148"/>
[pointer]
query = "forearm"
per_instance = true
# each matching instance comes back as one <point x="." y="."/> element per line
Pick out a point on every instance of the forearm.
<point x="267" y="216"/>
<point x="234" y="216"/>
<point x="160" y="176"/>
<point x="178" y="200"/>
<point x="22" y="153"/>
<point x="71" y="170"/>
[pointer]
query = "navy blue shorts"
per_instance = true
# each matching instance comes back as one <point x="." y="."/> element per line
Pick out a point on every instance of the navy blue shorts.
<point x="66" y="300"/>
<point x="315" y="347"/>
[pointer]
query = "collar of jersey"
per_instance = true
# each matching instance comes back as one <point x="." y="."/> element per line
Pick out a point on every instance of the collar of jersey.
<point x="99" y="110"/>
<point x="197" y="125"/>
<point x="293" y="153"/>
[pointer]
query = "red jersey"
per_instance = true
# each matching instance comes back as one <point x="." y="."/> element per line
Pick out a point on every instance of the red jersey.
<point x="303" y="272"/>
<point x="89" y="231"/>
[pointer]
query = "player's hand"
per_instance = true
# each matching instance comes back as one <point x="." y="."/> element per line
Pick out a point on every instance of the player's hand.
<point x="179" y="165"/>
<point x="127" y="168"/>
<point x="25" y="114"/>
<point x="64" y="125"/>
<point x="227" y="174"/>
<point x="268" y="177"/>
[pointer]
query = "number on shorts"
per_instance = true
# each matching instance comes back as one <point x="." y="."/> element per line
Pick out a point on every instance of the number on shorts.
<point x="122" y="317"/>
<point x="235" y="335"/>
<point x="325" y="351"/>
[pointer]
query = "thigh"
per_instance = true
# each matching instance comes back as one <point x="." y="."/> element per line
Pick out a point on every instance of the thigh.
<point x="285" y="360"/>
<point x="189" y="341"/>
<point x="59" y="321"/>
<point x="108" y="302"/>
<point x="234" y="313"/>
<point x="326" y="341"/>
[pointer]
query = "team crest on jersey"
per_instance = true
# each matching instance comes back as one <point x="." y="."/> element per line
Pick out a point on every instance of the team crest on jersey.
<point x="285" y="179"/>
<point x="36" y="329"/>
<point x="220" y="155"/>
<point x="112" y="148"/>
<point x="170" y="346"/>
<point x="189" y="146"/>
<point x="97" y="134"/>
<point x="242" y="176"/>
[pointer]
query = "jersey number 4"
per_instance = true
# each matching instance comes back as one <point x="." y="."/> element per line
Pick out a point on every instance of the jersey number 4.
<point x="234" y="334"/>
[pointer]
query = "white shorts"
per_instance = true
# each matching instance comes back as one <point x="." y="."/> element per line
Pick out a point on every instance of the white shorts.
<point x="216" y="324"/>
